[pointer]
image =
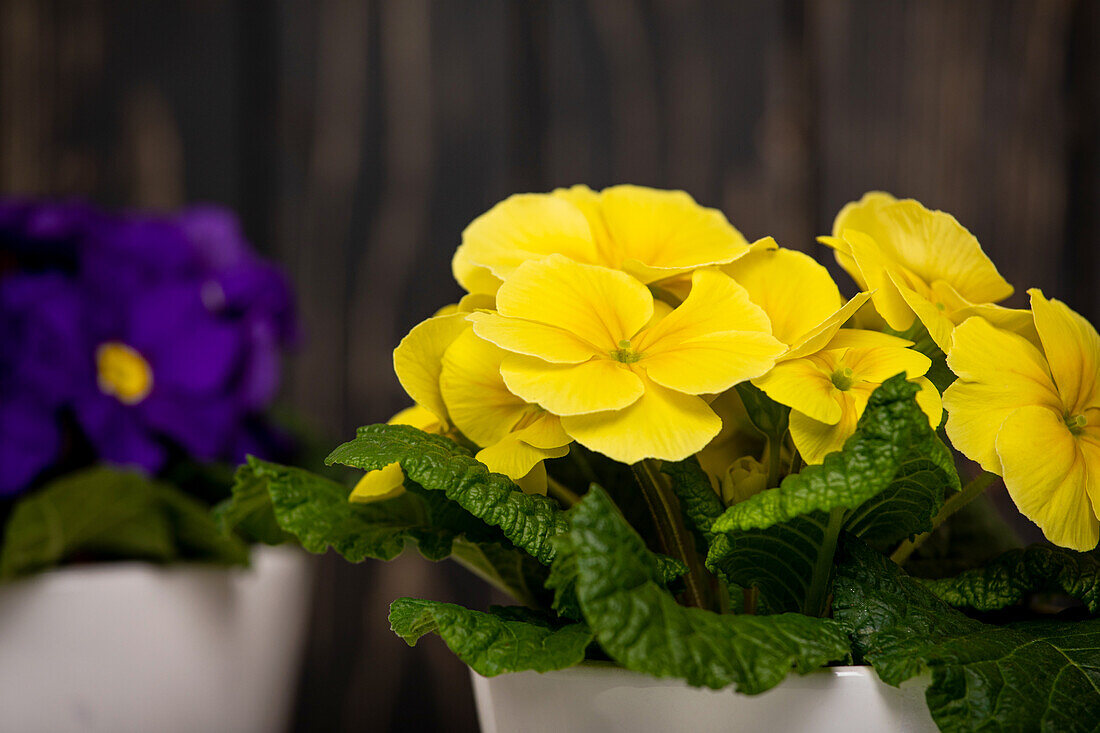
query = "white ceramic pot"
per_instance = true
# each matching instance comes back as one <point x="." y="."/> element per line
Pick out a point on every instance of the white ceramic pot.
<point x="599" y="698"/>
<point x="128" y="646"/>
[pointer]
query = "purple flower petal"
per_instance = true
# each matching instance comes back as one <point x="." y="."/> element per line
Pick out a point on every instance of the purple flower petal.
<point x="198" y="360"/>
<point x="118" y="434"/>
<point x="29" y="442"/>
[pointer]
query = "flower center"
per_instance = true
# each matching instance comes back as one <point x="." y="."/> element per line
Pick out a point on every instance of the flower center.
<point x="1076" y="423"/>
<point x="123" y="373"/>
<point x="842" y="378"/>
<point x="625" y="354"/>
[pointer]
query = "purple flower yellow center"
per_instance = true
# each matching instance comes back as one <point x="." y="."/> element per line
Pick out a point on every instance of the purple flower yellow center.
<point x="123" y="373"/>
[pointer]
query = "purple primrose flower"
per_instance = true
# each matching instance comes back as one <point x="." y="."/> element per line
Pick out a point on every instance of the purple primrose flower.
<point x="151" y="333"/>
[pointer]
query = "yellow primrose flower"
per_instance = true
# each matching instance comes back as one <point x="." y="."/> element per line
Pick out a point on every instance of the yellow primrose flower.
<point x="585" y="346"/>
<point x="1033" y="416"/>
<point x="744" y="478"/>
<point x="799" y="296"/>
<point x="649" y="233"/>
<point x="920" y="264"/>
<point x="738" y="437"/>
<point x="827" y="391"/>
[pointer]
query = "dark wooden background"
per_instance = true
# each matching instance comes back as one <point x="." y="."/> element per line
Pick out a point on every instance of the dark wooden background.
<point x="357" y="139"/>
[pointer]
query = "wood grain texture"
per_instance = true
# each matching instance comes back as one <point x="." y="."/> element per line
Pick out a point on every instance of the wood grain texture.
<point x="357" y="139"/>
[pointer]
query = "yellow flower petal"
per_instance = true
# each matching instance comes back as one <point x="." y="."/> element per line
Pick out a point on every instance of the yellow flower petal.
<point x="1045" y="474"/>
<point x="544" y="431"/>
<point x="716" y="304"/>
<point x="473" y="278"/>
<point x="998" y="372"/>
<point x="1072" y="349"/>
<point x="527" y="337"/>
<point x="598" y="305"/>
<point x="525" y="227"/>
<point x="535" y="480"/>
<point x="821" y="335"/>
<point x="804" y="385"/>
<point x="879" y="364"/>
<point x="713" y="363"/>
<point x="1009" y="319"/>
<point x="929" y="401"/>
<point x="860" y="216"/>
<point x="588" y="202"/>
<point x="935" y="246"/>
<point x="419" y="418"/>
<point x="662" y="424"/>
<point x="858" y="338"/>
<point x="659" y="233"/>
<point x="385" y="483"/>
<point x="514" y="457"/>
<point x="477" y="400"/>
<point x="873" y="267"/>
<point x="936" y="320"/>
<point x="418" y="360"/>
<point x="815" y="440"/>
<point x="572" y="389"/>
<point x="795" y="291"/>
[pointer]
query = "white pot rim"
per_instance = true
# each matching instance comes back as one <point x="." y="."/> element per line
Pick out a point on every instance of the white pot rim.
<point x="71" y="577"/>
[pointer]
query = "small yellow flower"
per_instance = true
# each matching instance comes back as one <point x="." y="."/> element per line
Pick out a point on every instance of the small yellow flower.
<point x="1033" y="416"/>
<point x="920" y="264"/>
<point x="827" y="391"/>
<point x="586" y="346"/>
<point x="738" y="437"/>
<point x="651" y="234"/>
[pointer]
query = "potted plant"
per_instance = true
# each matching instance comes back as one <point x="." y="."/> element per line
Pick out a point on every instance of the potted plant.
<point x="692" y="463"/>
<point x="139" y="354"/>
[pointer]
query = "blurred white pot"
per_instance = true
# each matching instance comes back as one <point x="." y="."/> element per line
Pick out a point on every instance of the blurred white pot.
<point x="125" y="647"/>
<point x="602" y="698"/>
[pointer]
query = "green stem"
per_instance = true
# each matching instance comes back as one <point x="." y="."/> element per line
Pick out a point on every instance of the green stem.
<point x="969" y="493"/>
<point x="561" y="492"/>
<point x="775" y="459"/>
<point x="671" y="532"/>
<point x="823" y="568"/>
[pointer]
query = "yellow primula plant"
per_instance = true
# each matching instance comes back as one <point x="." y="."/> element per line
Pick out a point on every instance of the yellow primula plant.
<point x="696" y="456"/>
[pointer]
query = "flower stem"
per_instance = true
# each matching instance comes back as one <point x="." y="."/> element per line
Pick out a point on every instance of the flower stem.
<point x="823" y="568"/>
<point x="969" y="493"/>
<point x="561" y="492"/>
<point x="775" y="460"/>
<point x="671" y="532"/>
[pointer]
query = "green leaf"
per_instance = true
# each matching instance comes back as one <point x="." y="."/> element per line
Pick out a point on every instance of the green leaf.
<point x="106" y="513"/>
<point x="438" y="464"/>
<point x="1028" y="676"/>
<point x="491" y="643"/>
<point x="1010" y="578"/>
<point x="698" y="500"/>
<point x="249" y="509"/>
<point x="638" y="623"/>
<point x="890" y="477"/>
<point x="316" y="510"/>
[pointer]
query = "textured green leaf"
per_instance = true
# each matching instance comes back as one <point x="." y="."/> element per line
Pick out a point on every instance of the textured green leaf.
<point x="1010" y="578"/>
<point x="491" y="643"/>
<point x="698" y="500"/>
<point x="104" y="512"/>
<point x="639" y="623"/>
<point x="1021" y="677"/>
<point x="438" y="464"/>
<point x="890" y="477"/>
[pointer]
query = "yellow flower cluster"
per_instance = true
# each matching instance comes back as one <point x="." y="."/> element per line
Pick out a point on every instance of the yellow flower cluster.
<point x="622" y="320"/>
